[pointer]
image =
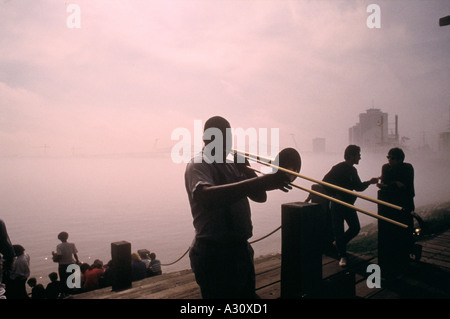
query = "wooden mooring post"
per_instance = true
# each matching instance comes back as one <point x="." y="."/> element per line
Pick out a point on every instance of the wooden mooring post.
<point x="394" y="243"/>
<point x="121" y="265"/>
<point x="301" y="250"/>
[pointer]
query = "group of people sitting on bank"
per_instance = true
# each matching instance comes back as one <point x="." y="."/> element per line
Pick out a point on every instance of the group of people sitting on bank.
<point x="15" y="271"/>
<point x="144" y="264"/>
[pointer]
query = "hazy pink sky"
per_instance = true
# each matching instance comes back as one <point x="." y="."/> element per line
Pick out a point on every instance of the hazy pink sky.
<point x="136" y="70"/>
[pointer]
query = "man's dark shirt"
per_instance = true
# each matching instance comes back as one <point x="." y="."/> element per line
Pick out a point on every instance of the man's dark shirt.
<point x="403" y="173"/>
<point x="346" y="176"/>
<point x="223" y="224"/>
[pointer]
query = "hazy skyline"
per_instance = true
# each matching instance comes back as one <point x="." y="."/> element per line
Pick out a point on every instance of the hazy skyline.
<point x="136" y="70"/>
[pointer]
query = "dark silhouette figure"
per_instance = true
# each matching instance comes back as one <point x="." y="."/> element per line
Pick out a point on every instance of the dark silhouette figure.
<point x="37" y="290"/>
<point x="218" y="193"/>
<point x="395" y="244"/>
<point x="346" y="176"/>
<point x="397" y="179"/>
<point x="20" y="271"/>
<point x="145" y="256"/>
<point x="7" y="252"/>
<point x="155" y="266"/>
<point x="107" y="275"/>
<point x="138" y="268"/>
<point x="54" y="287"/>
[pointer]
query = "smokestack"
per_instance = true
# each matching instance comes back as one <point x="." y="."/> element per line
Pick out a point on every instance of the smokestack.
<point x="396" y="129"/>
<point x="396" y="126"/>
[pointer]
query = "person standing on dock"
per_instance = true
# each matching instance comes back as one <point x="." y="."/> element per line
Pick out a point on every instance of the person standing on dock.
<point x="397" y="179"/>
<point x="65" y="255"/>
<point x="346" y="176"/>
<point x="397" y="187"/>
<point x="20" y="271"/>
<point x="218" y="191"/>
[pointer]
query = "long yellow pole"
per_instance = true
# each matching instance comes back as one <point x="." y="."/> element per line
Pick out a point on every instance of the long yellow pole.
<point x="257" y="159"/>
<point x="350" y="206"/>
<point x="343" y="203"/>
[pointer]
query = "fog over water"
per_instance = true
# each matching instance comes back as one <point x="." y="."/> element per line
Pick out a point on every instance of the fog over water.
<point x="143" y="200"/>
<point x="92" y="91"/>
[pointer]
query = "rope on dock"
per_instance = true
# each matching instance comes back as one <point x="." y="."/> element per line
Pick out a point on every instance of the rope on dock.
<point x="272" y="232"/>
<point x="252" y="242"/>
<point x="178" y="258"/>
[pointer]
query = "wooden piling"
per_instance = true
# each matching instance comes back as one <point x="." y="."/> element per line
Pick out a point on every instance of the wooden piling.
<point x="301" y="262"/>
<point x="394" y="243"/>
<point x="327" y="237"/>
<point x="121" y="265"/>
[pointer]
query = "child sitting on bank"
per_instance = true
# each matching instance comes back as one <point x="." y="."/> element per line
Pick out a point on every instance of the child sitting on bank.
<point x="37" y="290"/>
<point x="54" y="287"/>
<point x="155" y="266"/>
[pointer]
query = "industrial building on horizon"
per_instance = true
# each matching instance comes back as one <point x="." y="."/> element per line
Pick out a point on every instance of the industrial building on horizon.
<point x="373" y="131"/>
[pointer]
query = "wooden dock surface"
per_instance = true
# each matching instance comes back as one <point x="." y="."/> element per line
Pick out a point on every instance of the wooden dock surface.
<point x="429" y="278"/>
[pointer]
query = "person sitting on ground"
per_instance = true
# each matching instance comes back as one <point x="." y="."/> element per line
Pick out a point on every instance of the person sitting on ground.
<point x="53" y="289"/>
<point x="108" y="274"/>
<point x="138" y="268"/>
<point x="37" y="290"/>
<point x="145" y="256"/>
<point x="155" y="265"/>
<point x="83" y="268"/>
<point x="92" y="276"/>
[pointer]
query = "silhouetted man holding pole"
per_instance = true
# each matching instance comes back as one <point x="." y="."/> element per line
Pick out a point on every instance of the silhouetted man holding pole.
<point x="218" y="192"/>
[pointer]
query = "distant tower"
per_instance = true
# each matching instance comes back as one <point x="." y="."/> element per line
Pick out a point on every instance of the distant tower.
<point x="372" y="131"/>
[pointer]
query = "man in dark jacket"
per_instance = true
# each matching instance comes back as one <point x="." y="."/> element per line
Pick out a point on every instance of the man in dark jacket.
<point x="346" y="176"/>
<point x="397" y="187"/>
